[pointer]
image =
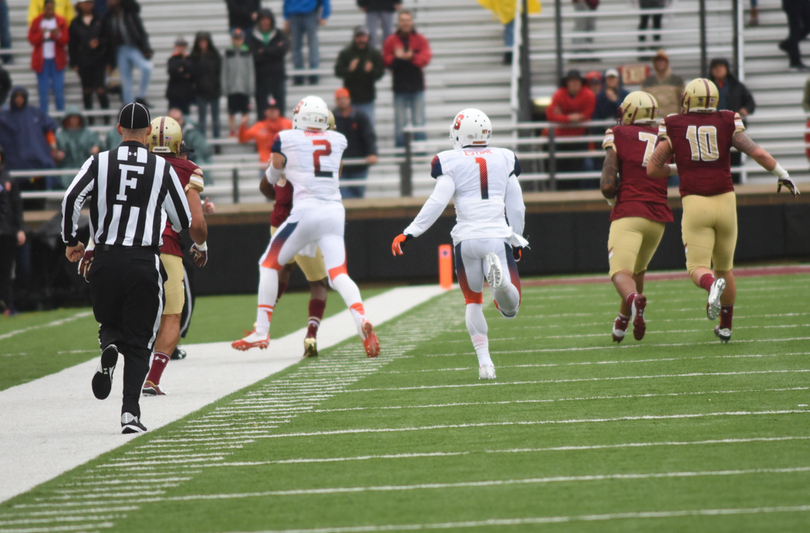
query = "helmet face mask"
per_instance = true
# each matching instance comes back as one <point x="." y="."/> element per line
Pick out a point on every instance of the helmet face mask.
<point x="311" y="113"/>
<point x="470" y="128"/>
<point x="638" y="107"/>
<point x="700" y="96"/>
<point x="166" y="136"/>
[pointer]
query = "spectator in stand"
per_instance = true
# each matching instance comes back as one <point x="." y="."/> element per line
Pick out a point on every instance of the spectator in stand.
<point x="379" y="16"/>
<point x="303" y="18"/>
<point x="264" y="132"/>
<point x="12" y="234"/>
<point x="5" y="85"/>
<point x="610" y="98"/>
<point x="407" y="53"/>
<point x="644" y="21"/>
<point x="182" y="77"/>
<point x="5" y="32"/>
<point x="798" y="16"/>
<point x="269" y="46"/>
<point x="63" y="8"/>
<point x="112" y="139"/>
<point x="360" y="65"/>
<point x="594" y="81"/>
<point x="87" y="53"/>
<point x="238" y="78"/>
<point x="208" y="66"/>
<point x="572" y="103"/>
<point x="362" y="143"/>
<point x="49" y="35"/>
<point x="754" y="20"/>
<point x="201" y="152"/>
<point x="733" y="96"/>
<point x="242" y="14"/>
<point x="76" y="141"/>
<point x="101" y="7"/>
<point x="128" y="47"/>
<point x="665" y="86"/>
<point x="584" y="24"/>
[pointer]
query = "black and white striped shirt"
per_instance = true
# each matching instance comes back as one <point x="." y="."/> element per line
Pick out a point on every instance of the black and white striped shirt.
<point x="131" y="192"/>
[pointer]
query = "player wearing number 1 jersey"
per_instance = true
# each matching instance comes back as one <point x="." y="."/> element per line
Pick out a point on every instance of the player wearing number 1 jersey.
<point x="310" y="156"/>
<point x="701" y="138"/>
<point x="482" y="181"/>
<point x="640" y="207"/>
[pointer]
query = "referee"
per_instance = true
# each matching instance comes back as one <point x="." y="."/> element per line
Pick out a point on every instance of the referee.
<point x="131" y="192"/>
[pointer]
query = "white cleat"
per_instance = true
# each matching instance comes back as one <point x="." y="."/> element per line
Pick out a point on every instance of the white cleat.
<point x="713" y="306"/>
<point x="253" y="340"/>
<point x="486" y="372"/>
<point x="495" y="276"/>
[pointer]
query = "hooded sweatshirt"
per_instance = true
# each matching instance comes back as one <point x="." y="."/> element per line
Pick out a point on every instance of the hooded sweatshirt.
<point x="76" y="143"/>
<point x="667" y="89"/>
<point x="24" y="133"/>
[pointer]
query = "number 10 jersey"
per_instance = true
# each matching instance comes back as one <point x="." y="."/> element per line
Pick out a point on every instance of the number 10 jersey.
<point x="313" y="163"/>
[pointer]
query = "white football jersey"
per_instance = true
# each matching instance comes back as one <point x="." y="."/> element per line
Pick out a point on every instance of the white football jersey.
<point x="313" y="163"/>
<point x="480" y="178"/>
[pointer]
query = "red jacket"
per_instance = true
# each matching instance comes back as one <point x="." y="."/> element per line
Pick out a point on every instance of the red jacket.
<point x="37" y="39"/>
<point x="408" y="76"/>
<point x="562" y="105"/>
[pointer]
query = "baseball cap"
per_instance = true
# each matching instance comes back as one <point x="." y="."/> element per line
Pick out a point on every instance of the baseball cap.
<point x="180" y="41"/>
<point x="611" y="72"/>
<point x="237" y="33"/>
<point x="342" y="92"/>
<point x="661" y="54"/>
<point x="360" y="30"/>
<point x="134" y="116"/>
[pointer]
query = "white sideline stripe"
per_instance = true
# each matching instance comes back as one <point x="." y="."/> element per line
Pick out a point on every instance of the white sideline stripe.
<point x="70" y="427"/>
<point x="59" y="322"/>
<point x="549" y="520"/>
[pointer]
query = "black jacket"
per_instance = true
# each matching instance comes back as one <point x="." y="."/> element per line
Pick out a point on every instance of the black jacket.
<point x="11" y="206"/>
<point x="269" y="58"/>
<point x="359" y="133"/>
<point x="208" y="68"/>
<point x="5" y="85"/>
<point x="738" y="95"/>
<point x="81" y="53"/>
<point x="182" y="78"/>
<point x="131" y="18"/>
<point x="240" y="12"/>
<point x="359" y="82"/>
<point x="379" y="5"/>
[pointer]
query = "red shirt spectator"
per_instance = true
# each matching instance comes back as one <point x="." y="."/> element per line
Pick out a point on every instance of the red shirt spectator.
<point x="59" y="37"/>
<point x="572" y="103"/>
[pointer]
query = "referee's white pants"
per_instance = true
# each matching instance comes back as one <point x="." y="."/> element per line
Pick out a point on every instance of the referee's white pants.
<point x="320" y="224"/>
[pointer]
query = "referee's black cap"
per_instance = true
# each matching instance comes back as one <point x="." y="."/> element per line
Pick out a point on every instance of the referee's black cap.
<point x="134" y="116"/>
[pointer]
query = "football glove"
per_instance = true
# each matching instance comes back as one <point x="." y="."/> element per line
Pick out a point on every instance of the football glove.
<point x="199" y="253"/>
<point x="517" y="253"/>
<point x="85" y="263"/>
<point x="787" y="182"/>
<point x="399" y="240"/>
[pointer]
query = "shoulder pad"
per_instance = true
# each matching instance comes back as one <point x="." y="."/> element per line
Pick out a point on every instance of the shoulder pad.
<point x="608" y="140"/>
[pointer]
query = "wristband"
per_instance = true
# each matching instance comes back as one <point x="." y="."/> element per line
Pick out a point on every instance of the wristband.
<point x="202" y="247"/>
<point x="779" y="172"/>
<point x="673" y="169"/>
<point x="273" y="174"/>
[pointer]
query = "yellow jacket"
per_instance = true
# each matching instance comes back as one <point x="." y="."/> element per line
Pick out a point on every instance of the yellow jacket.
<point x="505" y="9"/>
<point x="63" y="8"/>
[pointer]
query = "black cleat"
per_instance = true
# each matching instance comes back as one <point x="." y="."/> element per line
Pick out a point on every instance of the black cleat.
<point x="131" y="424"/>
<point x="178" y="353"/>
<point x="102" y="380"/>
<point x="724" y="334"/>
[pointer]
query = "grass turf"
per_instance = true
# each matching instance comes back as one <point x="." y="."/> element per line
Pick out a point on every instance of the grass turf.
<point x="677" y="432"/>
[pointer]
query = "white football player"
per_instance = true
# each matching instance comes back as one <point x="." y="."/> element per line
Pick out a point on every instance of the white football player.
<point x="482" y="181"/>
<point x="310" y="157"/>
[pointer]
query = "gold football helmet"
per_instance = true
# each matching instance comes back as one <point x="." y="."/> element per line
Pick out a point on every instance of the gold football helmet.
<point x="700" y="96"/>
<point x="331" y="122"/>
<point x="166" y="136"/>
<point x="638" y="107"/>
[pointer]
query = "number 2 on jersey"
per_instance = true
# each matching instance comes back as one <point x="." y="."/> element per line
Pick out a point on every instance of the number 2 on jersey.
<point x="703" y="143"/>
<point x="482" y="174"/>
<point x="326" y="151"/>
<point x="650" y="139"/>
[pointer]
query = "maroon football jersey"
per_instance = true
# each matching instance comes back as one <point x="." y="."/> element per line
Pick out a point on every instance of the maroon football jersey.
<point x="171" y="240"/>
<point x="639" y="195"/>
<point x="283" y="206"/>
<point x="702" y="146"/>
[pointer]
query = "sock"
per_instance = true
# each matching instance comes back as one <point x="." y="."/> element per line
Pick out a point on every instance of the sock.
<point x="706" y="281"/>
<point x="159" y="362"/>
<point x="477" y="328"/>
<point x="726" y="314"/>
<point x="316" y="309"/>
<point x="281" y="288"/>
<point x="351" y="295"/>
<point x="268" y="291"/>
<point x="630" y="298"/>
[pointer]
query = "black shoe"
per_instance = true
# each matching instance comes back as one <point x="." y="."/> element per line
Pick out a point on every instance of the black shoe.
<point x="783" y="45"/>
<point x="178" y="354"/>
<point x="507" y="58"/>
<point x="131" y="424"/>
<point x="800" y="67"/>
<point x="102" y="381"/>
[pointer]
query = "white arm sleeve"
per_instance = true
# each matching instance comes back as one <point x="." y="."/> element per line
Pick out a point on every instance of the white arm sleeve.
<point x="515" y="209"/>
<point x="273" y="174"/>
<point x="432" y="210"/>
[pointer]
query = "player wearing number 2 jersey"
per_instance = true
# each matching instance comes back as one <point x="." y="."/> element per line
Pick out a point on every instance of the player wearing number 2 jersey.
<point x="640" y="207"/>
<point x="310" y="156"/>
<point x="482" y="182"/>
<point x="701" y="138"/>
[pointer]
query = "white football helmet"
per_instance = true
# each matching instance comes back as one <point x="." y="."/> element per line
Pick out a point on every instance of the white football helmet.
<point x="311" y="113"/>
<point x="471" y="127"/>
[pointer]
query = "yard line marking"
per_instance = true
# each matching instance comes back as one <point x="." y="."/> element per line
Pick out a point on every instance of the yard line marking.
<point x="59" y="322"/>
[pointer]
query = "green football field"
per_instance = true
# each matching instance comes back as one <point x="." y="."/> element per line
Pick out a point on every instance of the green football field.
<point x="678" y="432"/>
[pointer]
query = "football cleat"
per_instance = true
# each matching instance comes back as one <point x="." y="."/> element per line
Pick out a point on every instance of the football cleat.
<point x="178" y="354"/>
<point x="639" y="325"/>
<point x="495" y="276"/>
<point x="253" y="340"/>
<point x="310" y="347"/>
<point x="370" y="341"/>
<point x="153" y="389"/>
<point x="486" y="372"/>
<point x="619" y="329"/>
<point x="713" y="305"/>
<point x="131" y="424"/>
<point x="724" y="334"/>
<point x="102" y="380"/>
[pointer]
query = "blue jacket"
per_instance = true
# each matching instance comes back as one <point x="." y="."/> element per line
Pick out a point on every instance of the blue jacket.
<point x="607" y="109"/>
<point x="22" y="135"/>
<point x="303" y="7"/>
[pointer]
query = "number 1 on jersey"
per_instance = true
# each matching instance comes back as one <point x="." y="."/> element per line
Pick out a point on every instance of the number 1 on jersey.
<point x="703" y="143"/>
<point x="482" y="174"/>
<point x="316" y="157"/>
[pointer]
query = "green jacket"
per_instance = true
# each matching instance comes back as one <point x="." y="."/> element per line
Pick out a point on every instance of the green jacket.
<point x="203" y="154"/>
<point x="359" y="82"/>
<point x="113" y="139"/>
<point x="75" y="143"/>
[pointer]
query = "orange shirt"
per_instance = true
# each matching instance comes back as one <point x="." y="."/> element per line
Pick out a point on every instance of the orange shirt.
<point x="264" y="133"/>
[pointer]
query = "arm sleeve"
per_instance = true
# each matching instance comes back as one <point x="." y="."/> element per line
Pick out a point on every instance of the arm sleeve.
<point x="74" y="199"/>
<point x="327" y="9"/>
<point x="433" y="208"/>
<point x="515" y="208"/>
<point x="175" y="202"/>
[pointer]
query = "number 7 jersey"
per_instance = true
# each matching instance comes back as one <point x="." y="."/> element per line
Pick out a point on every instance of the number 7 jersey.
<point x="313" y="163"/>
<point x="702" y="146"/>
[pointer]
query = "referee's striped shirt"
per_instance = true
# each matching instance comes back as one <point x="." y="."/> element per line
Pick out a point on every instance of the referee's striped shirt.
<point x="131" y="192"/>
